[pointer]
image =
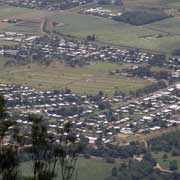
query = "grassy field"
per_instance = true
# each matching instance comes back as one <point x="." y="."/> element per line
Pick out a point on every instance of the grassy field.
<point x="87" y="169"/>
<point x="120" y="33"/>
<point x="24" y="28"/>
<point x="89" y="79"/>
<point x="6" y="12"/>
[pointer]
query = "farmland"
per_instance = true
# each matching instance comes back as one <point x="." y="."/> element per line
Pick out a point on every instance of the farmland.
<point x="89" y="79"/>
<point x="31" y="19"/>
<point x="119" y="33"/>
<point x="106" y="30"/>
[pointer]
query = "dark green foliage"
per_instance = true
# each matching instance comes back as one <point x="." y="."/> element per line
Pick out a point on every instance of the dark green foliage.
<point x="44" y="162"/>
<point x="67" y="152"/>
<point x="165" y="156"/>
<point x="8" y="153"/>
<point x="9" y="163"/>
<point x="142" y="170"/>
<point x="114" y="171"/>
<point x="116" y="151"/>
<point x="167" y="143"/>
<point x="173" y="165"/>
<point x="2" y="107"/>
<point x="146" y="71"/>
<point x="140" y="17"/>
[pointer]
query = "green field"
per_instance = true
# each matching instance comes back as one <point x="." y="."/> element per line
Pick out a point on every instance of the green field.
<point x="89" y="79"/>
<point x="6" y="12"/>
<point x="26" y="28"/>
<point x="88" y="169"/>
<point x="120" y="33"/>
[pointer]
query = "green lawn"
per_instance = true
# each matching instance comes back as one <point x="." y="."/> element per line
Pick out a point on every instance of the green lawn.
<point x="89" y="79"/>
<point x="88" y="169"/>
<point x="119" y="33"/>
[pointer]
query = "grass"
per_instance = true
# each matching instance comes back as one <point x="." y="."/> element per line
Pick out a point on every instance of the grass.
<point x="25" y="28"/>
<point x="119" y="33"/>
<point x="169" y="25"/>
<point x="6" y="12"/>
<point x="88" y="169"/>
<point x="89" y="79"/>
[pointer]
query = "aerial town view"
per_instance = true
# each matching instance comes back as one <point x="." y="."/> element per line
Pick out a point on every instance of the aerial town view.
<point x="89" y="89"/>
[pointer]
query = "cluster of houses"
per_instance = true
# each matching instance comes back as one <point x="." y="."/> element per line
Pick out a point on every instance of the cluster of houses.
<point x="99" y="11"/>
<point x="48" y="4"/>
<point x="73" y="51"/>
<point x="153" y="112"/>
<point x="78" y="53"/>
<point x="15" y="37"/>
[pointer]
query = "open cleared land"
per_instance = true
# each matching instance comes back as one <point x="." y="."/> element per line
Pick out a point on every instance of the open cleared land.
<point x="89" y="79"/>
<point x="31" y="19"/>
<point x="120" y="33"/>
<point x="88" y="169"/>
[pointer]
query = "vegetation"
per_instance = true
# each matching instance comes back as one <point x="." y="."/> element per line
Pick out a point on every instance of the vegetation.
<point x="87" y="169"/>
<point x="166" y="143"/>
<point x="12" y="11"/>
<point x="140" y="17"/>
<point x="45" y="152"/>
<point x="116" y="151"/>
<point x="88" y="79"/>
<point x="141" y="170"/>
<point x="119" y="33"/>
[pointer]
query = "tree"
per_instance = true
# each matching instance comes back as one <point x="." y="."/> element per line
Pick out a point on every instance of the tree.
<point x="114" y="171"/>
<point x="173" y="165"/>
<point x="44" y="161"/>
<point x="165" y="157"/>
<point x="9" y="163"/>
<point x="8" y="152"/>
<point x="67" y="152"/>
<point x="2" y="107"/>
<point x="47" y="150"/>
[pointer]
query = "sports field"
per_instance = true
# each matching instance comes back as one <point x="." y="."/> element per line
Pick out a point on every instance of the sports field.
<point x="89" y="79"/>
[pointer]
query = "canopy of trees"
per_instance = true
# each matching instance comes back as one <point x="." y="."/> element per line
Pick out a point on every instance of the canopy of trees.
<point x="140" y="17"/>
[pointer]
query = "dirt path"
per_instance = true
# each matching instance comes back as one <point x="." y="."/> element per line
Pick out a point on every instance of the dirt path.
<point x="158" y="166"/>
